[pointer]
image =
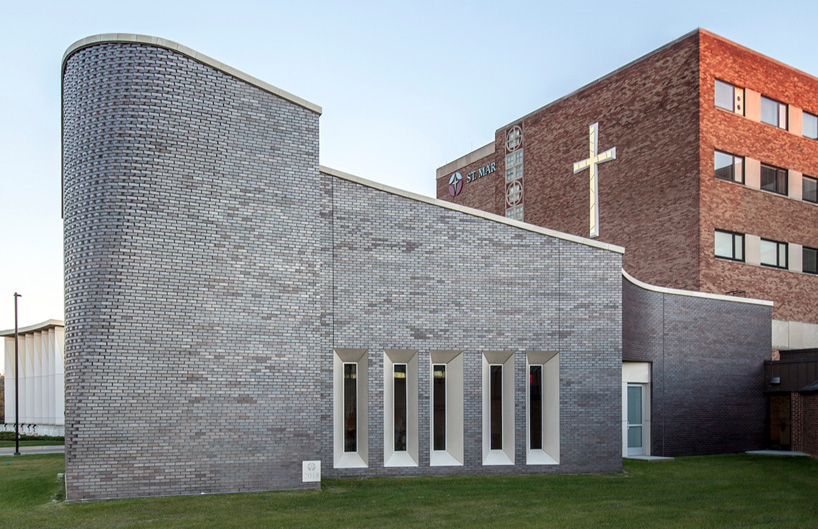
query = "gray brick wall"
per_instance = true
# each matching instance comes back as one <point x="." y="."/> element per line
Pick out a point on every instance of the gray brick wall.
<point x="194" y="278"/>
<point x="411" y="275"/>
<point x="211" y="270"/>
<point x="707" y="361"/>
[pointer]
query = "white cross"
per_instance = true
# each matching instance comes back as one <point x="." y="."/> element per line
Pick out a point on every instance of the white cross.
<point x="590" y="163"/>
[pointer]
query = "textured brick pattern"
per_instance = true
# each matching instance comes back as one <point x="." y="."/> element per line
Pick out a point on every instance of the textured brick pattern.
<point x="194" y="279"/>
<point x="707" y="357"/>
<point x="805" y="422"/>
<point x="648" y="197"/>
<point x="211" y="270"/>
<point x="733" y="207"/>
<point x="660" y="199"/>
<point x="409" y="275"/>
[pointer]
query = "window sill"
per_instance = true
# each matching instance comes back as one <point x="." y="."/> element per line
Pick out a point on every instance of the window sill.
<point x="440" y="458"/>
<point x="350" y="460"/>
<point x="497" y="457"/>
<point x="539" y="457"/>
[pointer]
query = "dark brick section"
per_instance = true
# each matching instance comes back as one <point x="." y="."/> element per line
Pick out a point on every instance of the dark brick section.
<point x="410" y="275"/>
<point x="708" y="368"/>
<point x="195" y="277"/>
<point x="805" y="422"/>
<point x="211" y="270"/>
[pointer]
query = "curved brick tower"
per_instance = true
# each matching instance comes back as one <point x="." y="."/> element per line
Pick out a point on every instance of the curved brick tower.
<point x="191" y="206"/>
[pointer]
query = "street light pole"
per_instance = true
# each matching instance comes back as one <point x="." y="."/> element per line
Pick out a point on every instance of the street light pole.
<point x="16" y="383"/>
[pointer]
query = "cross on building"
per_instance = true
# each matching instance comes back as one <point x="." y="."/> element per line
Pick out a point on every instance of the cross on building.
<point x="590" y="163"/>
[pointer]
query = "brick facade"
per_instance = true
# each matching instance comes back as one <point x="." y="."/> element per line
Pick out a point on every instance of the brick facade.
<point x="660" y="199"/>
<point x="805" y="422"/>
<point x="707" y="378"/>
<point x="211" y="270"/>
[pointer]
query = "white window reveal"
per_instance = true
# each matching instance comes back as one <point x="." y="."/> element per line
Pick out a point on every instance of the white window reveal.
<point x="350" y="415"/>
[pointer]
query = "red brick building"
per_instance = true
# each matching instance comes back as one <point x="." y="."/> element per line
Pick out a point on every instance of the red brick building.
<point x="714" y="183"/>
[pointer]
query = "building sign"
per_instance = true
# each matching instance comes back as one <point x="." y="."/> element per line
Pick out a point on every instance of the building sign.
<point x="480" y="173"/>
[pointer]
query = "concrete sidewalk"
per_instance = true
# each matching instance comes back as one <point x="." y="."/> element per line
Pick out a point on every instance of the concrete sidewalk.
<point x="31" y="450"/>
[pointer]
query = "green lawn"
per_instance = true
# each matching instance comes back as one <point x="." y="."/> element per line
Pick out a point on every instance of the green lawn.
<point x="699" y="492"/>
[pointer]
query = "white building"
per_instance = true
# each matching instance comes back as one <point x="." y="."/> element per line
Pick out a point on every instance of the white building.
<point x="42" y="392"/>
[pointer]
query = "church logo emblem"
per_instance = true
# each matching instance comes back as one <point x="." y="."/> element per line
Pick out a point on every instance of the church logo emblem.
<point x="455" y="184"/>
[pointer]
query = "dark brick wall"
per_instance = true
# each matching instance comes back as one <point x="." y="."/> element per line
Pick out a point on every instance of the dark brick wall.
<point x="649" y="194"/>
<point x="481" y="193"/>
<point x="707" y="357"/>
<point x="805" y="423"/>
<point x="194" y="279"/>
<point x="411" y="275"/>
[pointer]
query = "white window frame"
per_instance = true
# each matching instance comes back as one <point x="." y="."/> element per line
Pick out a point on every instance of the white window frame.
<point x="549" y="454"/>
<point x="409" y="457"/>
<point x="505" y="456"/>
<point x="360" y="458"/>
<point x="453" y="455"/>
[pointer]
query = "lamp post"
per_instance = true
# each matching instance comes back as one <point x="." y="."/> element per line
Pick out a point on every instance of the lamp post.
<point x="16" y="383"/>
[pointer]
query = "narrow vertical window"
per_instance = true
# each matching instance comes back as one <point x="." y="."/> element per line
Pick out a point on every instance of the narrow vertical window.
<point x="400" y="407"/>
<point x="496" y="406"/>
<point x="350" y="407"/>
<point x="535" y="407"/>
<point x="439" y="406"/>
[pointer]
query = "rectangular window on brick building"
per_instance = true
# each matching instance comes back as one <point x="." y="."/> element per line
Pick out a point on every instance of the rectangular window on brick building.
<point x="773" y="253"/>
<point x="774" y="179"/>
<point x="809" y="189"/>
<point x="810" y="126"/>
<point x="729" y="167"/>
<point x="810" y="260"/>
<point x="729" y="97"/>
<point x="730" y="245"/>
<point x="773" y="113"/>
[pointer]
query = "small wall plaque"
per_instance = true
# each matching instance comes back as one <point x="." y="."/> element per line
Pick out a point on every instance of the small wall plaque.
<point x="310" y="471"/>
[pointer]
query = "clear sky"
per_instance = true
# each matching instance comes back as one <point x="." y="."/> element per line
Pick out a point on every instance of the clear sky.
<point x="405" y="86"/>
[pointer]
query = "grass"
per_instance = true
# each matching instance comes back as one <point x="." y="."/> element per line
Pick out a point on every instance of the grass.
<point x="699" y="492"/>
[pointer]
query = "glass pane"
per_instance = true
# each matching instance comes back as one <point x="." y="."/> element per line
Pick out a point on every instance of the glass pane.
<point x="635" y="437"/>
<point x="520" y="157"/>
<point x="400" y="407"/>
<point x="782" y="255"/>
<point x="781" y="180"/>
<point x="810" y="256"/>
<point x="738" y="247"/>
<point x="773" y="179"/>
<point x="535" y="407"/>
<point x="496" y="407"/>
<point x="634" y="405"/>
<point x="810" y="126"/>
<point x="769" y="111"/>
<point x="809" y="189"/>
<point x="768" y="253"/>
<point x="724" y="96"/>
<point x="723" y="164"/>
<point x="439" y="406"/>
<point x="724" y="244"/>
<point x="350" y="408"/>
<point x="782" y="115"/>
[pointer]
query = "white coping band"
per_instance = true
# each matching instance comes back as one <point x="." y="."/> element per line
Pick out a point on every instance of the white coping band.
<point x="471" y="211"/>
<point x="692" y="294"/>
<point x="466" y="159"/>
<point x="193" y="54"/>
<point x="47" y="324"/>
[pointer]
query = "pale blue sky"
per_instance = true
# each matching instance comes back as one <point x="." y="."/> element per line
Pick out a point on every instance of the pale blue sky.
<point x="405" y="87"/>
